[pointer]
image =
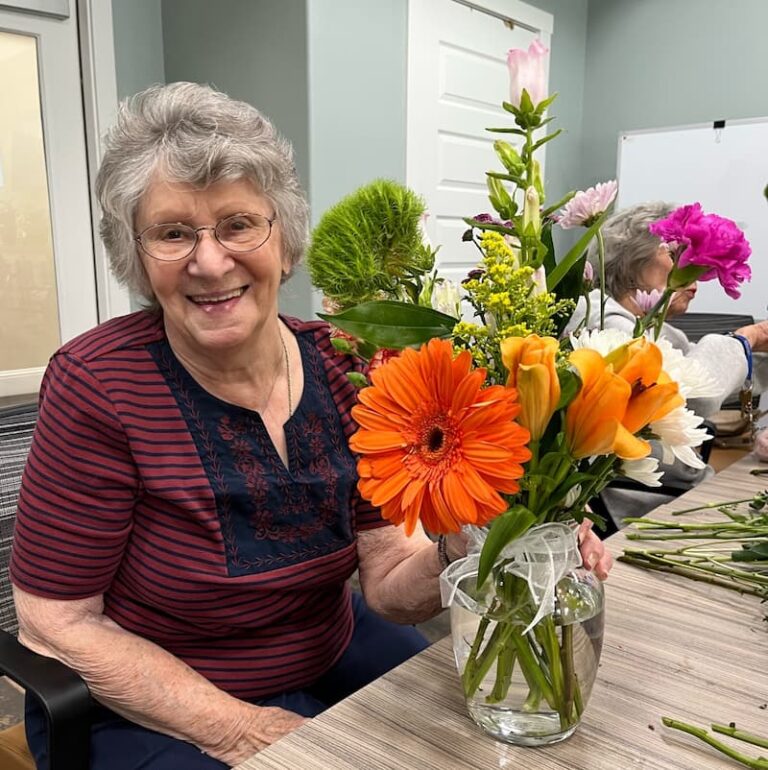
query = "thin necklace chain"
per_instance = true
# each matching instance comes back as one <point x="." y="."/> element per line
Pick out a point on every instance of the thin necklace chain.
<point x="287" y="371"/>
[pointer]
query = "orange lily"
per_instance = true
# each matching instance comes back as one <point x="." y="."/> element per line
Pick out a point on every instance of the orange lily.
<point x="593" y="420"/>
<point x="654" y="394"/>
<point x="530" y="362"/>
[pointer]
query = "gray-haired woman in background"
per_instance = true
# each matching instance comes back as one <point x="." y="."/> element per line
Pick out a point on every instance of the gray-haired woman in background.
<point x="635" y="259"/>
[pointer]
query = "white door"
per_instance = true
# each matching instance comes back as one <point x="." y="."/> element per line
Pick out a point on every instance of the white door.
<point x="47" y="277"/>
<point x="457" y="79"/>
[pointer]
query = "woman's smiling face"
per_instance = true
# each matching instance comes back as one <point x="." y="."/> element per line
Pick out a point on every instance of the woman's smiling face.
<point x="215" y="299"/>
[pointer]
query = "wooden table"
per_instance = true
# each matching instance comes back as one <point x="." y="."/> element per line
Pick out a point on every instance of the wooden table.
<point x="673" y="647"/>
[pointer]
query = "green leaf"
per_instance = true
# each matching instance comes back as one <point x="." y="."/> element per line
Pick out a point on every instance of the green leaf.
<point x="573" y="256"/>
<point x="527" y="106"/>
<point x="342" y="345"/>
<point x="490" y="226"/>
<point x="680" y="277"/>
<point x="542" y="105"/>
<point x="517" y="131"/>
<point x="390" y="324"/>
<point x="507" y="177"/>
<point x="547" y="138"/>
<point x="570" y="385"/>
<point x="357" y="379"/>
<point x="753" y="552"/>
<point x="546" y="239"/>
<point x="552" y="209"/>
<point x="504" y="529"/>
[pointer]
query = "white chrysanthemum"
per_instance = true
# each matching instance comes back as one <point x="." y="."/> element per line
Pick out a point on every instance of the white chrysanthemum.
<point x="446" y="298"/>
<point x="692" y="378"/>
<point x="604" y="341"/>
<point x="679" y="432"/>
<point x="645" y="470"/>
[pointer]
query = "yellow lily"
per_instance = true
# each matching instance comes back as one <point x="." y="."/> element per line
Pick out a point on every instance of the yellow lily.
<point x="530" y="362"/>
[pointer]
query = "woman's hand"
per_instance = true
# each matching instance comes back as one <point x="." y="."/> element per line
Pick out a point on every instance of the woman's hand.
<point x="260" y="726"/>
<point x="593" y="551"/>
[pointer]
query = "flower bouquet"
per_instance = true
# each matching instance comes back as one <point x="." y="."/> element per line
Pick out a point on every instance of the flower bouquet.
<point x="491" y="424"/>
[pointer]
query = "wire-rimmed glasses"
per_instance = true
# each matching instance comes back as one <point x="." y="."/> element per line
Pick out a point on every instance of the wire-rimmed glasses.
<point x="172" y="241"/>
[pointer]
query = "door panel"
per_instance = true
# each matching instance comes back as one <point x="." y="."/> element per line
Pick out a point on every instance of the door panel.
<point x="457" y="79"/>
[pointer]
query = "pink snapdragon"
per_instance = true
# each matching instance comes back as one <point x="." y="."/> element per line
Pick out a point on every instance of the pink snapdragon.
<point x="710" y="242"/>
<point x="587" y="205"/>
<point x="527" y="70"/>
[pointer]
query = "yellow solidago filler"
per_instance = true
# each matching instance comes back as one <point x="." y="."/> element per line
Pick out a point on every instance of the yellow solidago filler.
<point x="507" y="304"/>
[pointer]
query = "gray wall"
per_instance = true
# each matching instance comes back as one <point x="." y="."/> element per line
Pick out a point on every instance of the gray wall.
<point x="138" y="32"/>
<point x="566" y="77"/>
<point x="357" y="97"/>
<point x="656" y="63"/>
<point x="254" y="50"/>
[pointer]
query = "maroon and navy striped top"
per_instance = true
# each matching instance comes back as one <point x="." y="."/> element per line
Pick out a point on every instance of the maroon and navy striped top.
<point x="176" y="506"/>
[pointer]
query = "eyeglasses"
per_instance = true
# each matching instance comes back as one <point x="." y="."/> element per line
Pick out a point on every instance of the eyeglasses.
<point x="173" y="241"/>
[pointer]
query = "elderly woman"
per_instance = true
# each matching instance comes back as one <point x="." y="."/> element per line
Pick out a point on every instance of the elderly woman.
<point x="635" y="259"/>
<point x="188" y="517"/>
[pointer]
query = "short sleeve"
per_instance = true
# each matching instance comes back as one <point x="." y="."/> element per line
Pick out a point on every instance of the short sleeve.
<point x="78" y="489"/>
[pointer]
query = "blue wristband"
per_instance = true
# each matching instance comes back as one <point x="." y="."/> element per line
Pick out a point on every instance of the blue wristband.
<point x="747" y="352"/>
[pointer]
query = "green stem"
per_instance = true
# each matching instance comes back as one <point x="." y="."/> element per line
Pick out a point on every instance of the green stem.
<point x="473" y="676"/>
<point x="505" y="666"/>
<point x="531" y="669"/>
<point x="601" y="268"/>
<point x="757" y="764"/>
<point x="734" y="732"/>
<point x="569" y="674"/>
<point x="708" y="506"/>
<point x="692" y="574"/>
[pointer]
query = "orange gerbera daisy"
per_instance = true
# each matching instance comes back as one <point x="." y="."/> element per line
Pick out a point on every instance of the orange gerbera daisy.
<point x="436" y="445"/>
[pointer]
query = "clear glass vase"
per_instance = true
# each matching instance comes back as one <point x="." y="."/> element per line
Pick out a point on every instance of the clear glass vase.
<point x="527" y="687"/>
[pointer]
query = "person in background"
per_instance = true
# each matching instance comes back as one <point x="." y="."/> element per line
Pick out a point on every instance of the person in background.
<point x="636" y="260"/>
<point x="188" y="517"/>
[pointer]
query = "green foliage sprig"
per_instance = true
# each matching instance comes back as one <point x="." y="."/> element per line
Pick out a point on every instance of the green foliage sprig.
<point x="369" y="246"/>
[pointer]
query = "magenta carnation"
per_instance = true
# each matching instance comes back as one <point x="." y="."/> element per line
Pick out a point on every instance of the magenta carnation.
<point x="708" y="241"/>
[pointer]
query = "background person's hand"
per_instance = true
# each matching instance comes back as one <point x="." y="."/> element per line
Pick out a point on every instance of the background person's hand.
<point x="761" y="445"/>
<point x="757" y="335"/>
<point x="593" y="551"/>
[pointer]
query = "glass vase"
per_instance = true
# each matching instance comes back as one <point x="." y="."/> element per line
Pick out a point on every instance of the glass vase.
<point x="527" y="685"/>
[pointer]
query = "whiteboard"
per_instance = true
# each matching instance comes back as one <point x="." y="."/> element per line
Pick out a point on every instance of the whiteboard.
<point x="724" y="169"/>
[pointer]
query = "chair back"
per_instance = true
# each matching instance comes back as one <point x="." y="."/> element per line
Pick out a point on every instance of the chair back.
<point x="17" y="424"/>
<point x="696" y="325"/>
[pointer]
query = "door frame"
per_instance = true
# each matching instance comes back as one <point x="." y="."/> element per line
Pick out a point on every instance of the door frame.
<point x="97" y="94"/>
<point x="99" y="85"/>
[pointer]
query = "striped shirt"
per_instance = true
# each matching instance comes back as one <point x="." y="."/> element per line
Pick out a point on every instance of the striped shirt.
<point x="175" y="506"/>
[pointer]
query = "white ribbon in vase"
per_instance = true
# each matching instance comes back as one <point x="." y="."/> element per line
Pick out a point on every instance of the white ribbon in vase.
<point x="541" y="557"/>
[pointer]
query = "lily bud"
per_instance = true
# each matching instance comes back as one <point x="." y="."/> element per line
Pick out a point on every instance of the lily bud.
<point x="532" y="211"/>
<point x="509" y="156"/>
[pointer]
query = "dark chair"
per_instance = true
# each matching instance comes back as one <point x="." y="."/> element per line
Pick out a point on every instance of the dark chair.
<point x="663" y="492"/>
<point x="696" y="325"/>
<point x="62" y="693"/>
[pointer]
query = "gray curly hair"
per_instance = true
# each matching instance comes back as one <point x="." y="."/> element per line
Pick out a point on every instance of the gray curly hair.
<point x="629" y="246"/>
<point x="187" y="132"/>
